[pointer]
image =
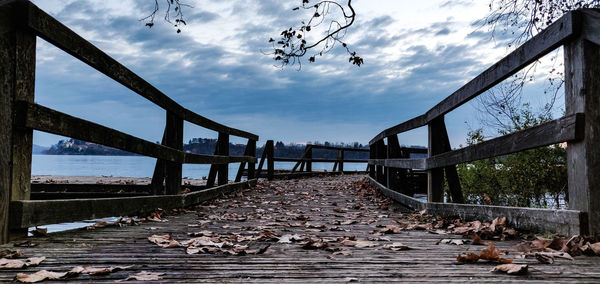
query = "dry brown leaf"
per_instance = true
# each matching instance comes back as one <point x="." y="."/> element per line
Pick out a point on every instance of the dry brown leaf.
<point x="18" y="263"/>
<point x="144" y="276"/>
<point x="513" y="269"/>
<point x="477" y="240"/>
<point x="96" y="270"/>
<point x="288" y="239"/>
<point x="40" y="276"/>
<point x="469" y="258"/>
<point x="164" y="241"/>
<point x="397" y="246"/>
<point x="39" y="232"/>
<point x="7" y="253"/>
<point x="364" y="244"/>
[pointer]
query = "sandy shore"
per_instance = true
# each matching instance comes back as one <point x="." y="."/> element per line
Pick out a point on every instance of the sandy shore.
<point x="103" y="180"/>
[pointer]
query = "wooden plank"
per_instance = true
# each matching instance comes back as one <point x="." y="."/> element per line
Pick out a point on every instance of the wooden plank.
<point x="582" y="94"/>
<point x="436" y="145"/>
<point x="337" y="148"/>
<point x="48" y="120"/>
<point x="547" y="40"/>
<point x="247" y="152"/>
<point x="568" y="128"/>
<point x="411" y="124"/>
<point x="317" y="160"/>
<point x="62" y="37"/>
<point x="341" y="160"/>
<point x="29" y="213"/>
<point x="212" y="173"/>
<point x="17" y="78"/>
<point x="262" y="161"/>
<point x="541" y="44"/>
<point x="565" y="222"/>
<point x="380" y="153"/>
<point x="212" y="125"/>
<point x="396" y="176"/>
<point x="372" y="157"/>
<point x="7" y="81"/>
<point x="174" y="139"/>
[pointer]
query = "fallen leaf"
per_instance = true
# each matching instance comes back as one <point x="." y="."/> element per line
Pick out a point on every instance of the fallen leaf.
<point x="40" y="276"/>
<point x="469" y="258"/>
<point x="7" y="253"/>
<point x="288" y="239"/>
<point x="144" y="276"/>
<point x="397" y="246"/>
<point x="18" y="263"/>
<point x="39" y="232"/>
<point x="164" y="241"/>
<point x="511" y="268"/>
<point x="457" y="242"/>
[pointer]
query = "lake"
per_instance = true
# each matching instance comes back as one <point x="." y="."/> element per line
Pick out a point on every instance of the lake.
<point x="138" y="166"/>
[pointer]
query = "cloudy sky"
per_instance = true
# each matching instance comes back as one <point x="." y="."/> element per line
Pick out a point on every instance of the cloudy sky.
<point x="415" y="54"/>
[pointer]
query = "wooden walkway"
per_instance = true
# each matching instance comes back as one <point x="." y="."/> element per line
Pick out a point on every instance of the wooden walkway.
<point x="322" y="208"/>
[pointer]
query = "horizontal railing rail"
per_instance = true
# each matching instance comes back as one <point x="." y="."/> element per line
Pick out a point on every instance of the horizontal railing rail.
<point x="578" y="32"/>
<point x="303" y="164"/>
<point x="21" y="22"/>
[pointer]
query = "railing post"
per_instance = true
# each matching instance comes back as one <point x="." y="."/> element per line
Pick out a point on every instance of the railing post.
<point x="582" y="95"/>
<point x="341" y="161"/>
<point x="174" y="139"/>
<point x="247" y="152"/>
<point x="435" y="177"/>
<point x="17" y="78"/>
<point x="158" y="177"/>
<point x="394" y="174"/>
<point x="270" y="148"/>
<point x="380" y="153"/>
<point x="309" y="157"/>
<point x="223" y="169"/>
<point x="372" y="150"/>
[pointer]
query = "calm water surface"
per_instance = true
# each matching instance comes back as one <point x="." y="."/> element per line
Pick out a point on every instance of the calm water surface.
<point x="137" y="166"/>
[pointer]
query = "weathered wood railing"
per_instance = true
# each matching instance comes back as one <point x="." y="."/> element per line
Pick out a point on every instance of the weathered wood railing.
<point x="20" y="23"/>
<point x="304" y="163"/>
<point x="579" y="33"/>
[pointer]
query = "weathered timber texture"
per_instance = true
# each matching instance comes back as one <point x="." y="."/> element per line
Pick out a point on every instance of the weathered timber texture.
<point x="436" y="145"/>
<point x="270" y="149"/>
<point x="555" y="35"/>
<point x="568" y="128"/>
<point x="565" y="129"/>
<point x="17" y="80"/>
<point x="28" y="213"/>
<point x="48" y="120"/>
<point x="64" y="38"/>
<point x="565" y="222"/>
<point x="223" y="169"/>
<point x="174" y="140"/>
<point x="426" y="262"/>
<point x="582" y="94"/>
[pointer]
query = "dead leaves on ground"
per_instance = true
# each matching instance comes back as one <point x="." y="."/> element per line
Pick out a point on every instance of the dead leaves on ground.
<point x="50" y="275"/>
<point x="511" y="268"/>
<point x="490" y="254"/>
<point x="18" y="263"/>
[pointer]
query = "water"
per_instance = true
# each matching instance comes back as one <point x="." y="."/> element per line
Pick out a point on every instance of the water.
<point x="138" y="166"/>
<point x="131" y="166"/>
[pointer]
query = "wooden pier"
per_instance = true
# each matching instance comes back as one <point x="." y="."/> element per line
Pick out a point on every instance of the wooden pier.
<point x="325" y="208"/>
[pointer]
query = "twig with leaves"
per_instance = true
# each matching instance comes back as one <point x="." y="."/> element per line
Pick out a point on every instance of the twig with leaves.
<point x="293" y="44"/>
<point x="173" y="14"/>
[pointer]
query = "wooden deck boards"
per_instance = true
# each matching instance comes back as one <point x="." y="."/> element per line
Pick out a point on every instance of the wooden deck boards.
<point x="324" y="200"/>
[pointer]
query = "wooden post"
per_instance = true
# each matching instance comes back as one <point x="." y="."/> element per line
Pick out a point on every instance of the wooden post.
<point x="440" y="143"/>
<point x="301" y="162"/>
<point x="309" y="157"/>
<point x="252" y="152"/>
<point x="372" y="150"/>
<point x="582" y="94"/>
<point x="270" y="148"/>
<point x="435" y="177"/>
<point x="247" y="152"/>
<point x="223" y="169"/>
<point x="17" y="78"/>
<point x="160" y="168"/>
<point x="380" y="153"/>
<point x="174" y="139"/>
<point x="394" y="174"/>
<point x="341" y="161"/>
<point x="263" y="156"/>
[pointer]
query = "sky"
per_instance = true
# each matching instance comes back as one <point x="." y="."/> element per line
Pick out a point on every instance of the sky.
<point x="415" y="54"/>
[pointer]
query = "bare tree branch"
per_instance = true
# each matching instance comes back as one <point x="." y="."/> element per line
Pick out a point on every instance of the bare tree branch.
<point x="173" y="14"/>
<point x="293" y="44"/>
